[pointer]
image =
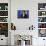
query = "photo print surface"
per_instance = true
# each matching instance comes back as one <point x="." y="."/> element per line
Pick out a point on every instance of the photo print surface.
<point x="23" y="14"/>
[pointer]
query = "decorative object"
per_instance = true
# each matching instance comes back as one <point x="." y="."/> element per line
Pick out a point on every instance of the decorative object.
<point x="41" y="6"/>
<point x="4" y="29"/>
<point x="3" y="19"/>
<point x="43" y="13"/>
<point x="6" y="7"/>
<point x="3" y="6"/>
<point x="3" y="13"/>
<point x="42" y="32"/>
<point x="42" y="25"/>
<point x="31" y="27"/>
<point x="42" y="19"/>
<point x="23" y="14"/>
<point x="0" y="7"/>
<point x="13" y="27"/>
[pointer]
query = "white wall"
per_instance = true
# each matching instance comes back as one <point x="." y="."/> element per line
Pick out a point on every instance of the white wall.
<point x="32" y="6"/>
<point x="23" y="24"/>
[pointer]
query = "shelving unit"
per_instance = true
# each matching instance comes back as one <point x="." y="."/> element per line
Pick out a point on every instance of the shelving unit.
<point x="4" y="19"/>
<point x="42" y="19"/>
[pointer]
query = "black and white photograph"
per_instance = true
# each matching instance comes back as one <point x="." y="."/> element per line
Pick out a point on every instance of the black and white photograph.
<point x="23" y="14"/>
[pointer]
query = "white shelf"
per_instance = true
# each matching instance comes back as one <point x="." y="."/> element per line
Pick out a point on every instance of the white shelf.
<point x="41" y="22"/>
<point x="42" y="16"/>
<point x="42" y="10"/>
<point x="3" y="10"/>
<point x="3" y="22"/>
<point x="41" y="28"/>
<point x="3" y="16"/>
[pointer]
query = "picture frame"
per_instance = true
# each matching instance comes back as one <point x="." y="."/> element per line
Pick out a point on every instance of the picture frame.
<point x="23" y="14"/>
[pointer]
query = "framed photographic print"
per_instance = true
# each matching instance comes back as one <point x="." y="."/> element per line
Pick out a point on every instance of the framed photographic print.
<point x="23" y="14"/>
